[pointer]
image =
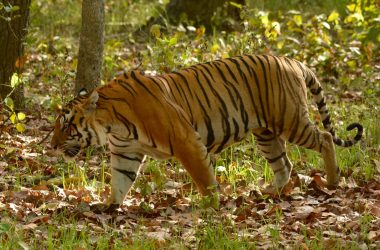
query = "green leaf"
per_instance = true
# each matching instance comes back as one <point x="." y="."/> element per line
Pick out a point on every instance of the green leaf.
<point x="20" y="127"/>
<point x="239" y="6"/>
<point x="15" y="8"/>
<point x="4" y="227"/>
<point x="155" y="30"/>
<point x="172" y="41"/>
<point x="20" y="116"/>
<point x="9" y="103"/>
<point x="15" y="80"/>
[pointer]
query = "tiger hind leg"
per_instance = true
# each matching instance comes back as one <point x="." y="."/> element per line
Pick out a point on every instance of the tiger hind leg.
<point x="273" y="149"/>
<point x="309" y="136"/>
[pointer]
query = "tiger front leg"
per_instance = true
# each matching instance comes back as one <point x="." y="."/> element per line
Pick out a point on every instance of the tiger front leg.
<point x="124" y="170"/>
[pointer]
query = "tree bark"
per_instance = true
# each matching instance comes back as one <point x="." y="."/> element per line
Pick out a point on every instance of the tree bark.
<point x="90" y="56"/>
<point x="12" y="35"/>
<point x="199" y="11"/>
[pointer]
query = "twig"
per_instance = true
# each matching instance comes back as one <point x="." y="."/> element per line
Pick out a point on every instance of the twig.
<point x="44" y="139"/>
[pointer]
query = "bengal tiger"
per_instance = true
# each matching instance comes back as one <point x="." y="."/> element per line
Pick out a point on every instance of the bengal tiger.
<point x="198" y="111"/>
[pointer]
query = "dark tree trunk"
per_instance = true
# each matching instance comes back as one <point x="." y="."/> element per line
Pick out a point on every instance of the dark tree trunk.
<point x="90" y="56"/>
<point x="201" y="12"/>
<point x="12" y="35"/>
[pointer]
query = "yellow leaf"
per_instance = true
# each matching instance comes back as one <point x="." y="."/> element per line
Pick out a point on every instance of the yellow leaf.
<point x="214" y="48"/>
<point x="333" y="16"/>
<point x="200" y="32"/>
<point x="264" y="20"/>
<point x="20" y="127"/>
<point x="351" y="7"/>
<point x="351" y="64"/>
<point x="356" y="17"/>
<point x="280" y="44"/>
<point x="20" y="116"/>
<point x="298" y="20"/>
<point x="13" y="118"/>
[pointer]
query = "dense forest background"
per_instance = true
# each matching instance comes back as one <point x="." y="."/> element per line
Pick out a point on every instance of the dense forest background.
<point x="47" y="203"/>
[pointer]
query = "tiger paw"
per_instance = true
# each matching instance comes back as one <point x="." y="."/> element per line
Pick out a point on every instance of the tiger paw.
<point x="102" y="207"/>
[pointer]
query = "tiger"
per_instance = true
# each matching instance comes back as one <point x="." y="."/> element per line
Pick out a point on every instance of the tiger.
<point x="194" y="113"/>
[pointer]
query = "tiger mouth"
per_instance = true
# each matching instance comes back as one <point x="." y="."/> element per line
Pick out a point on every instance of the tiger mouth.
<point x="72" y="151"/>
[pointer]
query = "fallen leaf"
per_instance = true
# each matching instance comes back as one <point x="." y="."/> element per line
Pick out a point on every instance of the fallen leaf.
<point x="40" y="187"/>
<point x="160" y="236"/>
<point x="303" y="212"/>
<point x="319" y="184"/>
<point x="40" y="219"/>
<point x="373" y="235"/>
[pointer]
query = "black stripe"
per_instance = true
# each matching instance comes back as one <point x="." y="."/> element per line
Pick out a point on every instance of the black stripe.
<point x="134" y="76"/>
<point x="227" y="133"/>
<point x="127" y="157"/>
<point x="272" y="160"/>
<point x="321" y="104"/>
<point x="130" y="174"/>
<point x="115" y="144"/>
<point x="127" y="87"/>
<point x="316" y="91"/>
<point x="302" y="133"/>
<point x="123" y="120"/>
<point x="295" y="123"/>
<point x="208" y="123"/>
<point x="249" y="89"/>
<point x="326" y="121"/>
<point x="258" y="118"/>
<point x="195" y="72"/>
<point x="228" y="85"/>
<point x="118" y="99"/>
<point x="236" y="126"/>
<point x="170" y="146"/>
<point x="268" y="81"/>
<point x="184" y="97"/>
<point x="185" y="80"/>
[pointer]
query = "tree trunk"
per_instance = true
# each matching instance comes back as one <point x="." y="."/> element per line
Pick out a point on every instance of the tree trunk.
<point x="201" y="12"/>
<point x="90" y="56"/>
<point x="12" y="35"/>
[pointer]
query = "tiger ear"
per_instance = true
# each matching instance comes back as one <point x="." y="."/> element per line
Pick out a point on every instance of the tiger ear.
<point x="90" y="103"/>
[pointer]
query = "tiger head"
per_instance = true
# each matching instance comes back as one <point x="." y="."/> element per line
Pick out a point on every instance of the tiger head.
<point x="72" y="131"/>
